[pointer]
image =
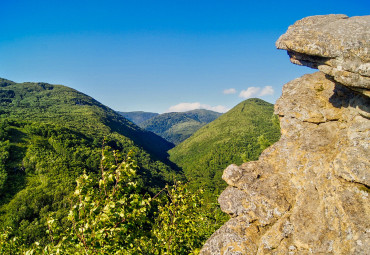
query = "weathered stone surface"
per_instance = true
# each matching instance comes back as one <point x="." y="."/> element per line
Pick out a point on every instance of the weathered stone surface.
<point x="335" y="44"/>
<point x="309" y="192"/>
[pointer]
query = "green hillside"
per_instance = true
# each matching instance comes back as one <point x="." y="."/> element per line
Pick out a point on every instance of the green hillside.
<point x="178" y="126"/>
<point x="49" y="135"/>
<point x="138" y="117"/>
<point x="237" y="136"/>
<point x="70" y="108"/>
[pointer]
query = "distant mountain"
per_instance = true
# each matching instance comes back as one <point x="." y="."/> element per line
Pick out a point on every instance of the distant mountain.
<point x="175" y="127"/>
<point x="138" y="117"/>
<point x="49" y="135"/>
<point x="239" y="135"/>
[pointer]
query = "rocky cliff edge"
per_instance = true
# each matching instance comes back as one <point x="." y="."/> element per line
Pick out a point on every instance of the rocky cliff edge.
<point x="309" y="192"/>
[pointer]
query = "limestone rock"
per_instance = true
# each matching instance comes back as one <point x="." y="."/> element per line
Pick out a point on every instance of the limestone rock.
<point x="309" y="192"/>
<point x="335" y="44"/>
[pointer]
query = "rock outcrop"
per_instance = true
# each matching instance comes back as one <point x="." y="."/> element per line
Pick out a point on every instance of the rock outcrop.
<point x="335" y="44"/>
<point x="309" y="192"/>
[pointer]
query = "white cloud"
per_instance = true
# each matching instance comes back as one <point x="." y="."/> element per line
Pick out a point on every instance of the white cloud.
<point x="267" y="90"/>
<point x="249" y="92"/>
<point x="255" y="91"/>
<point x="229" y="91"/>
<point x="217" y="108"/>
<point x="183" y="107"/>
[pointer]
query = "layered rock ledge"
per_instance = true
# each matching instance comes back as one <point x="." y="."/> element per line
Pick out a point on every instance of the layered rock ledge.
<point x="309" y="192"/>
<point x="335" y="44"/>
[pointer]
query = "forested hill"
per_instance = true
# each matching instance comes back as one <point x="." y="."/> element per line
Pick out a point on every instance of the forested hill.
<point x="178" y="126"/>
<point x="138" y="117"/>
<point x="51" y="134"/>
<point x="59" y="104"/>
<point x="239" y="135"/>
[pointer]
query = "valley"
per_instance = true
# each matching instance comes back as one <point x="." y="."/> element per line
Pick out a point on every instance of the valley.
<point x="51" y="134"/>
<point x="175" y="127"/>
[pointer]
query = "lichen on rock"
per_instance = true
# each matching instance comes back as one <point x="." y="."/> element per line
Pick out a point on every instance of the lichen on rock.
<point x="309" y="192"/>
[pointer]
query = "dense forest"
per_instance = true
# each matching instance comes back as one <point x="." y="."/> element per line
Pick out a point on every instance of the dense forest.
<point x="58" y="104"/>
<point x="176" y="127"/>
<point x="50" y="135"/>
<point x="77" y="177"/>
<point x="109" y="211"/>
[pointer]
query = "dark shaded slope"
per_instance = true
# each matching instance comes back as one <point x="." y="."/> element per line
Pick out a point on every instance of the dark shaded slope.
<point x="239" y="135"/>
<point x="178" y="126"/>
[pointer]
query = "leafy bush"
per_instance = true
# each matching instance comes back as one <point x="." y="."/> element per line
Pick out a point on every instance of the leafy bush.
<point x="112" y="215"/>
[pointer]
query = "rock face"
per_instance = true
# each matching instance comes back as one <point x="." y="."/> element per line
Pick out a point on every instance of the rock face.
<point x="309" y="192"/>
<point x="335" y="44"/>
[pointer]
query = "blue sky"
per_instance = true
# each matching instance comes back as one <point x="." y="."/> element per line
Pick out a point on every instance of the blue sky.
<point x="157" y="55"/>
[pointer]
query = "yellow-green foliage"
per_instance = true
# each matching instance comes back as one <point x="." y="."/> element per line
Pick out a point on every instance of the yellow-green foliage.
<point x="112" y="215"/>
